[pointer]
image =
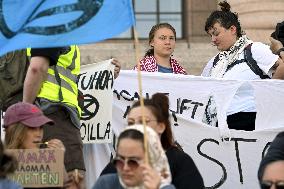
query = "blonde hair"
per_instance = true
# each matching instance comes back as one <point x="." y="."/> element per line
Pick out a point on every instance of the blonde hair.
<point x="15" y="136"/>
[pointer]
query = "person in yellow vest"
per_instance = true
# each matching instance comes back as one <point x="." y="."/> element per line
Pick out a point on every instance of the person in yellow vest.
<point x="51" y="84"/>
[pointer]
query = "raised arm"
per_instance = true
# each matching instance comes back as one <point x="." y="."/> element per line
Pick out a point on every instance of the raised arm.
<point x="36" y="74"/>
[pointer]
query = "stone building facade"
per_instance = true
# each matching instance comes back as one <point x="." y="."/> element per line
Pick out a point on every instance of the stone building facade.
<point x="193" y="50"/>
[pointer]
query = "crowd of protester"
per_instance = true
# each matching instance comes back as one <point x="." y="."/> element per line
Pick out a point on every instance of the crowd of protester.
<point x="49" y="116"/>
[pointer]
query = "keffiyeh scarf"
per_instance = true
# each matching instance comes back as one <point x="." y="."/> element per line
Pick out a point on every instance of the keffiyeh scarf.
<point x="228" y="57"/>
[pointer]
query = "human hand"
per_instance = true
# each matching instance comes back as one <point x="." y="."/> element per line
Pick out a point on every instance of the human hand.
<point x="275" y="45"/>
<point x="151" y="177"/>
<point x="75" y="180"/>
<point x="56" y="143"/>
<point x="116" y="68"/>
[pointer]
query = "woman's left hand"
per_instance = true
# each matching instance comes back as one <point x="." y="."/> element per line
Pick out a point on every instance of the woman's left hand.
<point x="151" y="178"/>
<point x="56" y="143"/>
<point x="116" y="68"/>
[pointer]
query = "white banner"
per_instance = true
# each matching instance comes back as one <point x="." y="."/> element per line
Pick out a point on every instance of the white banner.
<point x="224" y="163"/>
<point x="226" y="158"/>
<point x="96" y="83"/>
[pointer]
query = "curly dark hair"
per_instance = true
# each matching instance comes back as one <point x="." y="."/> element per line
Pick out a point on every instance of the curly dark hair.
<point x="225" y="18"/>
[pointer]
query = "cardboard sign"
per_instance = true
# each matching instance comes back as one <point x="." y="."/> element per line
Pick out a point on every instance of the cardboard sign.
<point x="38" y="168"/>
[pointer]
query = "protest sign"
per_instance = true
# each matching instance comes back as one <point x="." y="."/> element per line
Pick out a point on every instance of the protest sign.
<point x="96" y="83"/>
<point x="38" y="168"/>
<point x="226" y="158"/>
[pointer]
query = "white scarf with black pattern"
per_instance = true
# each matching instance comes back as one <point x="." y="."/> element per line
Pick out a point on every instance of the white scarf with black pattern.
<point x="228" y="57"/>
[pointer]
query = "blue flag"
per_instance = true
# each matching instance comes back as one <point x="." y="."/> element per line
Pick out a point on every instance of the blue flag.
<point x="53" y="23"/>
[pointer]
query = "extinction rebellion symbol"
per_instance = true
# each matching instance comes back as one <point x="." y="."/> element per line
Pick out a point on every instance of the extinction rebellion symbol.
<point x="89" y="9"/>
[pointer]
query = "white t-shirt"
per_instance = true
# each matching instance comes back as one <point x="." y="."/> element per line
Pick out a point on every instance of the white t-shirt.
<point x="243" y="100"/>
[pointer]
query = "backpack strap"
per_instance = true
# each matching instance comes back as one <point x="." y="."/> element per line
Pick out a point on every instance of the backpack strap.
<point x="235" y="63"/>
<point x="253" y="64"/>
<point x="216" y="59"/>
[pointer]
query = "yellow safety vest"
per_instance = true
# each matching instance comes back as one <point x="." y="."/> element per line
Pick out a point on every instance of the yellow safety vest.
<point x="68" y="67"/>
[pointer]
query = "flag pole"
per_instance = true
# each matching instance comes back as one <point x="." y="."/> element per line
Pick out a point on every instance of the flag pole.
<point x="137" y="52"/>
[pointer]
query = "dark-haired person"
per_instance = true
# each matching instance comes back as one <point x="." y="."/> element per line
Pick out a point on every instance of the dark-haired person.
<point x="271" y="169"/>
<point x="277" y="48"/>
<point x="184" y="172"/>
<point x="162" y="40"/>
<point x="239" y="59"/>
<point x="8" y="165"/>
<point x="132" y="170"/>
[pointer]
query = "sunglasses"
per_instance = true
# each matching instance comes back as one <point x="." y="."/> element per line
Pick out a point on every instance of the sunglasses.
<point x="269" y="184"/>
<point x="132" y="163"/>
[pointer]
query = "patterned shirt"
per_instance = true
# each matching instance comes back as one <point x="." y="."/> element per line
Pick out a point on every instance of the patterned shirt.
<point x="149" y="64"/>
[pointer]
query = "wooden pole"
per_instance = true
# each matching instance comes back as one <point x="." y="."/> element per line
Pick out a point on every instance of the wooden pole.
<point x="137" y="52"/>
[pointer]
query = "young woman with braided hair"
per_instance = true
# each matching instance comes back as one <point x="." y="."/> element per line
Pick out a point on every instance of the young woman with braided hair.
<point x="158" y="58"/>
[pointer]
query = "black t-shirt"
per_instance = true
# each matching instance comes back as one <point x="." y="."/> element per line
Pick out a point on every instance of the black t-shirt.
<point x="51" y="53"/>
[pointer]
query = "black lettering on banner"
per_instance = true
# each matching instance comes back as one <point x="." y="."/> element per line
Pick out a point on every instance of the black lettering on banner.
<point x="135" y="96"/>
<point x="224" y="176"/>
<point x="91" y="132"/>
<point x="175" y="118"/>
<point x="125" y="95"/>
<point x="117" y="94"/>
<point x="196" y="104"/>
<point x="128" y="97"/>
<point x="84" y="133"/>
<point x="89" y="9"/>
<point x="265" y="149"/>
<point x="182" y="106"/>
<point x="238" y="154"/>
<point x="104" y="80"/>
<point x="90" y="101"/>
<point x="126" y="112"/>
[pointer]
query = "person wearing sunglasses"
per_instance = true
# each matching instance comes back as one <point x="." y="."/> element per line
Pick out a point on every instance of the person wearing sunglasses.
<point x="271" y="169"/>
<point x="132" y="169"/>
<point x="185" y="173"/>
